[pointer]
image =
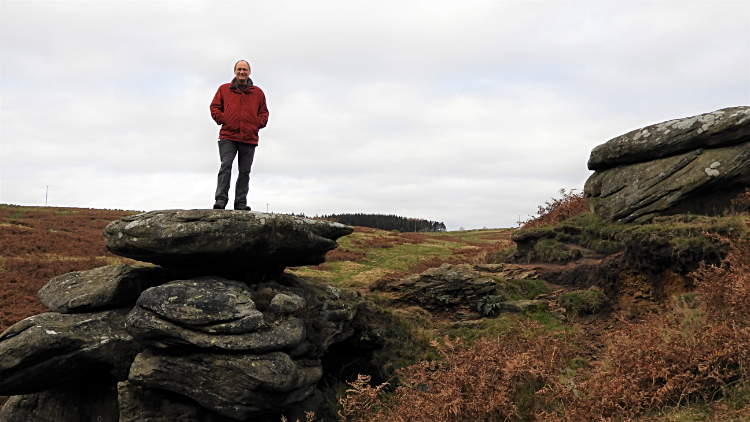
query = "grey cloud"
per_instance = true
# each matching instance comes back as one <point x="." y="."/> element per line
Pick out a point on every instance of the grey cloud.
<point x="468" y="113"/>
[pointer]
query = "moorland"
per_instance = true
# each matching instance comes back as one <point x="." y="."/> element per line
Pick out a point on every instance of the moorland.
<point x="641" y="322"/>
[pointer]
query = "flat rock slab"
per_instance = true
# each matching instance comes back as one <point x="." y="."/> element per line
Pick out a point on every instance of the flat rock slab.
<point x="244" y="245"/>
<point x="238" y="385"/>
<point x="82" y="401"/>
<point x="48" y="349"/>
<point x="139" y="404"/>
<point x="697" y="182"/>
<point x="721" y="128"/>
<point x="113" y="286"/>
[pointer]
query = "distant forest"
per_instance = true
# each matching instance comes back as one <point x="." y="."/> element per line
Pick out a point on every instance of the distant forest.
<point x="385" y="222"/>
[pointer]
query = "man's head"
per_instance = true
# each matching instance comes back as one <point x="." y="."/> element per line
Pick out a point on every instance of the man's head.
<point x="242" y="71"/>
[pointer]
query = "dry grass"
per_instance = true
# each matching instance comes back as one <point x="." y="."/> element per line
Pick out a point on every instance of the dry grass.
<point x="743" y="199"/>
<point x="694" y="355"/>
<point x="495" y="380"/>
<point x="37" y="244"/>
<point x="557" y="210"/>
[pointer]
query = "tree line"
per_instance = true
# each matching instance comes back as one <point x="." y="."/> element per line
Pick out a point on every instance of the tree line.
<point x="385" y="222"/>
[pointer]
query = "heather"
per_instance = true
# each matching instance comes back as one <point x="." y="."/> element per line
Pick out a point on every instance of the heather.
<point x="38" y="243"/>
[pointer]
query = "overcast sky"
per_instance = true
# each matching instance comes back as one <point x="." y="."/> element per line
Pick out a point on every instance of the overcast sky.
<point x="469" y="113"/>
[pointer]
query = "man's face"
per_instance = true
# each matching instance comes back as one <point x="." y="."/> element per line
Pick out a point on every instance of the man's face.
<point x="242" y="72"/>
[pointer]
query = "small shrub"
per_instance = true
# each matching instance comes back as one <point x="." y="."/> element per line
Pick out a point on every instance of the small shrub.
<point x="490" y="304"/>
<point x="687" y="301"/>
<point x="580" y="302"/>
<point x="500" y="379"/>
<point x="558" y="210"/>
<point x="688" y="312"/>
<point x="360" y="399"/>
<point x="743" y="199"/>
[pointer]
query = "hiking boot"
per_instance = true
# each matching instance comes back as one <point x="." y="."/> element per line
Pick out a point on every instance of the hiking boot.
<point x="220" y="205"/>
<point x="241" y="207"/>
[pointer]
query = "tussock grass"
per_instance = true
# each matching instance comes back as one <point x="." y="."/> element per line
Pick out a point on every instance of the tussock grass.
<point x="580" y="302"/>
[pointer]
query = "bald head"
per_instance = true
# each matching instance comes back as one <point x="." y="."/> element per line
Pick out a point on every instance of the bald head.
<point x="242" y="61"/>
<point x="242" y="72"/>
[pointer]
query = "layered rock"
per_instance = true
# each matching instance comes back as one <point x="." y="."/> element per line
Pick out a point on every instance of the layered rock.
<point x="240" y="245"/>
<point x="209" y="349"/>
<point x="692" y="165"/>
<point x="138" y="404"/>
<point x="46" y="350"/>
<point x="211" y="305"/>
<point x="721" y="128"/>
<point x="234" y="385"/>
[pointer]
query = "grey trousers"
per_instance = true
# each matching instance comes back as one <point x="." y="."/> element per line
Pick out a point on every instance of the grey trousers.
<point x="227" y="151"/>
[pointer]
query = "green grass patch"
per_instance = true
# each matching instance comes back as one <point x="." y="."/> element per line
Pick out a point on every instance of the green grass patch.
<point x="679" y="239"/>
<point x="511" y="289"/>
<point x="521" y="289"/>
<point x="548" y="250"/>
<point x="579" y="302"/>
<point x="504" y="255"/>
<point x="388" y="252"/>
<point x="404" y="336"/>
<point x="495" y="327"/>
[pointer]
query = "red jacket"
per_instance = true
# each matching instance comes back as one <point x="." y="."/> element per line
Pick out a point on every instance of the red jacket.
<point x="240" y="113"/>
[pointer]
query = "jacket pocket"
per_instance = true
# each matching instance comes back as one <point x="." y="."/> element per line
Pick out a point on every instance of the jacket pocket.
<point x="231" y="122"/>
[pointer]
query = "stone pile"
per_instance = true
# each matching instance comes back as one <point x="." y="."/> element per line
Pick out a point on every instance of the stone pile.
<point x="215" y="332"/>
<point x="692" y="165"/>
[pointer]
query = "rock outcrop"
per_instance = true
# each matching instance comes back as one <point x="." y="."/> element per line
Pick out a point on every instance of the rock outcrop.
<point x="692" y="165"/>
<point x="464" y="287"/>
<point x="442" y="286"/>
<point x="183" y="341"/>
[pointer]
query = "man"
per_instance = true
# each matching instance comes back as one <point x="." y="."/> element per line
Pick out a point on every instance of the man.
<point x="240" y="108"/>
